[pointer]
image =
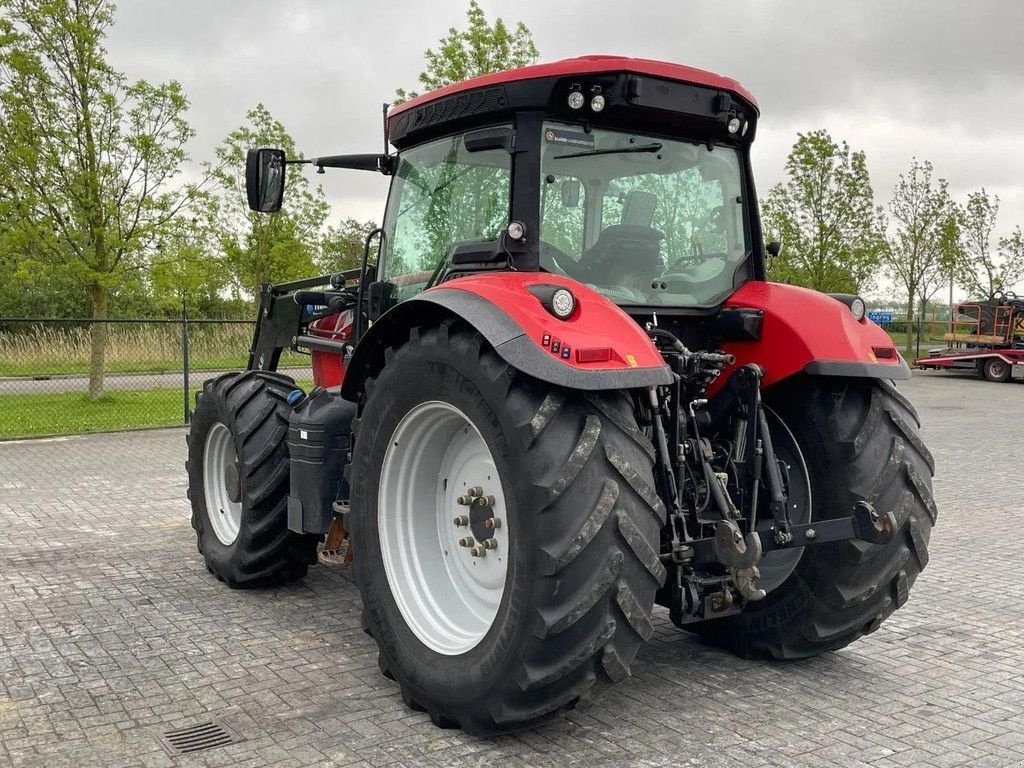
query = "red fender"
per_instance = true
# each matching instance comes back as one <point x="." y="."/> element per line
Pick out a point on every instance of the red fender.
<point x="597" y="347"/>
<point x="804" y="330"/>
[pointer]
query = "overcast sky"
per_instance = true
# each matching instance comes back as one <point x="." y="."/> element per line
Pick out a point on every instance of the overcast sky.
<point x="939" y="79"/>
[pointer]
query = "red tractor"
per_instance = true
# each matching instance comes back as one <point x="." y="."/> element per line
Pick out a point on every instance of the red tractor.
<point x="560" y="392"/>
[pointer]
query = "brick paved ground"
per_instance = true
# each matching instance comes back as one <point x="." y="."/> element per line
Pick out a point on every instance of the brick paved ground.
<point x="112" y="631"/>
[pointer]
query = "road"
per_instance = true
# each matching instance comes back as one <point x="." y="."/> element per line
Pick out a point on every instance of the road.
<point x="112" y="632"/>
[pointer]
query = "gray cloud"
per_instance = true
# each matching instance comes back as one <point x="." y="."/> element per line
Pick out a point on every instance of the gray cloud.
<point x="940" y="80"/>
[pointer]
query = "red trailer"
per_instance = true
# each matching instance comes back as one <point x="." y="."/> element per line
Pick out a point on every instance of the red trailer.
<point x="984" y="337"/>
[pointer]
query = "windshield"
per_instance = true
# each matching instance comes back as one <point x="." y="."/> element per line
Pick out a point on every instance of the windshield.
<point x="642" y="219"/>
<point x="442" y="195"/>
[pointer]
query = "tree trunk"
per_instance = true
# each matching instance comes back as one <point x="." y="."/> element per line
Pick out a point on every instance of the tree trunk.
<point x="909" y="348"/>
<point x="952" y="308"/>
<point x="98" y="337"/>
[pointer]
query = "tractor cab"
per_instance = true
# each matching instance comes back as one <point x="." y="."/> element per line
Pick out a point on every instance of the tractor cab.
<point x="631" y="177"/>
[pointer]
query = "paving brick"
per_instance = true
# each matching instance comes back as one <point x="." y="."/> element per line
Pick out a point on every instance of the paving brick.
<point x="112" y="631"/>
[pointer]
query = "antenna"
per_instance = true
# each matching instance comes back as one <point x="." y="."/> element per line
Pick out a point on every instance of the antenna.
<point x="385" y="110"/>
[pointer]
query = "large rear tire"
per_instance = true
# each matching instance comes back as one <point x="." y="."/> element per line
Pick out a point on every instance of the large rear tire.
<point x="238" y="481"/>
<point x="569" y="604"/>
<point x="860" y="440"/>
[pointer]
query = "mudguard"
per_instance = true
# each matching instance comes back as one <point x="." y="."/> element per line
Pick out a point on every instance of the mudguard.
<point x="597" y="347"/>
<point x="808" y="331"/>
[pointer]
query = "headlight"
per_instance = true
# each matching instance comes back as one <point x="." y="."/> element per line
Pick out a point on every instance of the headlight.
<point x="562" y="303"/>
<point x="858" y="308"/>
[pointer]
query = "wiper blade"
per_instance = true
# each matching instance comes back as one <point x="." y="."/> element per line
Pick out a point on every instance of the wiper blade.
<point x="652" y="147"/>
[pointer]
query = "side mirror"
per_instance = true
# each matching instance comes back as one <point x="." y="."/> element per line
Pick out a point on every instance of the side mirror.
<point x="570" y="193"/>
<point x="264" y="179"/>
<point x="774" y="248"/>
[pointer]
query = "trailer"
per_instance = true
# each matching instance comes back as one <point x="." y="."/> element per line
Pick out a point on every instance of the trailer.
<point x="986" y="337"/>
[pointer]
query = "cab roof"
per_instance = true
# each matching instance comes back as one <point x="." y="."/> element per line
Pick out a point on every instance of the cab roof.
<point x="585" y="65"/>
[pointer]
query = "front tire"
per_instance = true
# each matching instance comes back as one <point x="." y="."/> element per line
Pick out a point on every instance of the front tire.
<point x="573" y="479"/>
<point x="238" y="481"/>
<point x="860" y="440"/>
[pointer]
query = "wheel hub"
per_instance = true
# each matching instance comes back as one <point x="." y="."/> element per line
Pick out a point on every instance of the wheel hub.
<point x="443" y="527"/>
<point x="221" y="484"/>
<point x="233" y="482"/>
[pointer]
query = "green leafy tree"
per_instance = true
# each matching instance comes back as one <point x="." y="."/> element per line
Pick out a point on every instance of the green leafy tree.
<point x="92" y="158"/>
<point x="1011" y="251"/>
<point x="825" y="215"/>
<point x="258" y="247"/>
<point x="182" y="269"/>
<point x="920" y="211"/>
<point x="983" y="269"/>
<point x="479" y="49"/>
<point x="341" y="247"/>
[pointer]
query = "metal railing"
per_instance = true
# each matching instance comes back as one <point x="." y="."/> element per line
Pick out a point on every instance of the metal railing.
<point x="50" y="380"/>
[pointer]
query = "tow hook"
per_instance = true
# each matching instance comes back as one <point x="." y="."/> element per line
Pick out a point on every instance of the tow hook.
<point x="734" y="549"/>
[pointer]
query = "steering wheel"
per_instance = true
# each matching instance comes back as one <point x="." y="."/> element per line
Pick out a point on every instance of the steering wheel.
<point x="554" y="259"/>
<point x="698" y="269"/>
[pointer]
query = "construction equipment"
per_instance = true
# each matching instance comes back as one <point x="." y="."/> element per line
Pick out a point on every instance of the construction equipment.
<point x="558" y="391"/>
<point x="986" y="337"/>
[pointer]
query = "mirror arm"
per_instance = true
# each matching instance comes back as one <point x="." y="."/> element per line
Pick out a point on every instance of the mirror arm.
<point x="380" y="163"/>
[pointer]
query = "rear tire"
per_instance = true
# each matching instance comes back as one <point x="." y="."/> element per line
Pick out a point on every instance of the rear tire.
<point x="860" y="441"/>
<point x="584" y="522"/>
<point x="240" y="512"/>
<point x="995" y="369"/>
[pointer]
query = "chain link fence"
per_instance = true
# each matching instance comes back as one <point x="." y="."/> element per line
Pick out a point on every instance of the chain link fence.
<point x="151" y="370"/>
<point x="153" y="367"/>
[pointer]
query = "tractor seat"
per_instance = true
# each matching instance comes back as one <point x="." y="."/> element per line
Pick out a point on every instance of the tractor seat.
<point x="624" y="254"/>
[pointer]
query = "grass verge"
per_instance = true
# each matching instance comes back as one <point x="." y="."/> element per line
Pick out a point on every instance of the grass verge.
<point x="73" y="412"/>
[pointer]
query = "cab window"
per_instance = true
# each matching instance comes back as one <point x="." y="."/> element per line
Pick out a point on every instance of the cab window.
<point x="442" y="195"/>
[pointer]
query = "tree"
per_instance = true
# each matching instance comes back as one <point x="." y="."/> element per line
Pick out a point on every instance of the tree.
<point x="479" y="49"/>
<point x="183" y="269"/>
<point x="259" y="247"/>
<point x="980" y="271"/>
<point x="1011" y="252"/>
<point x="342" y="246"/>
<point x="825" y="216"/>
<point x="92" y="159"/>
<point x="921" y="211"/>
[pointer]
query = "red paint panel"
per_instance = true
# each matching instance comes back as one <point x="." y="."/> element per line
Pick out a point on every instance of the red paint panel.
<point x="586" y="65"/>
<point x="596" y="322"/>
<point x="329" y="368"/>
<point x="801" y="326"/>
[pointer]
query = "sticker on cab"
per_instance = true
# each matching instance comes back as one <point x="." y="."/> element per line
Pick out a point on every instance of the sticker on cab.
<point x="571" y="138"/>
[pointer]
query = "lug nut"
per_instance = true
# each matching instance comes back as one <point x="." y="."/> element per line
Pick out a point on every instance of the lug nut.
<point x="478" y="551"/>
<point x="484" y="501"/>
<point x="461" y="520"/>
<point x="463" y="501"/>
<point x="466" y="542"/>
<point x="475" y="491"/>
<point x="810" y="533"/>
<point x="490" y="543"/>
<point x="492" y="522"/>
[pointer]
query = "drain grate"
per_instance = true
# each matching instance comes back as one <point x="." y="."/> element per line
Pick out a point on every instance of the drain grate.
<point x="195" y="738"/>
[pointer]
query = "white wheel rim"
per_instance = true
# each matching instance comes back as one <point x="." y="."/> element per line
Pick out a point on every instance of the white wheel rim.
<point x="225" y="515"/>
<point x="448" y="598"/>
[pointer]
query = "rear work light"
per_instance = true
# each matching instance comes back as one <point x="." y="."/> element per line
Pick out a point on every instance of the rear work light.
<point x="594" y="355"/>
